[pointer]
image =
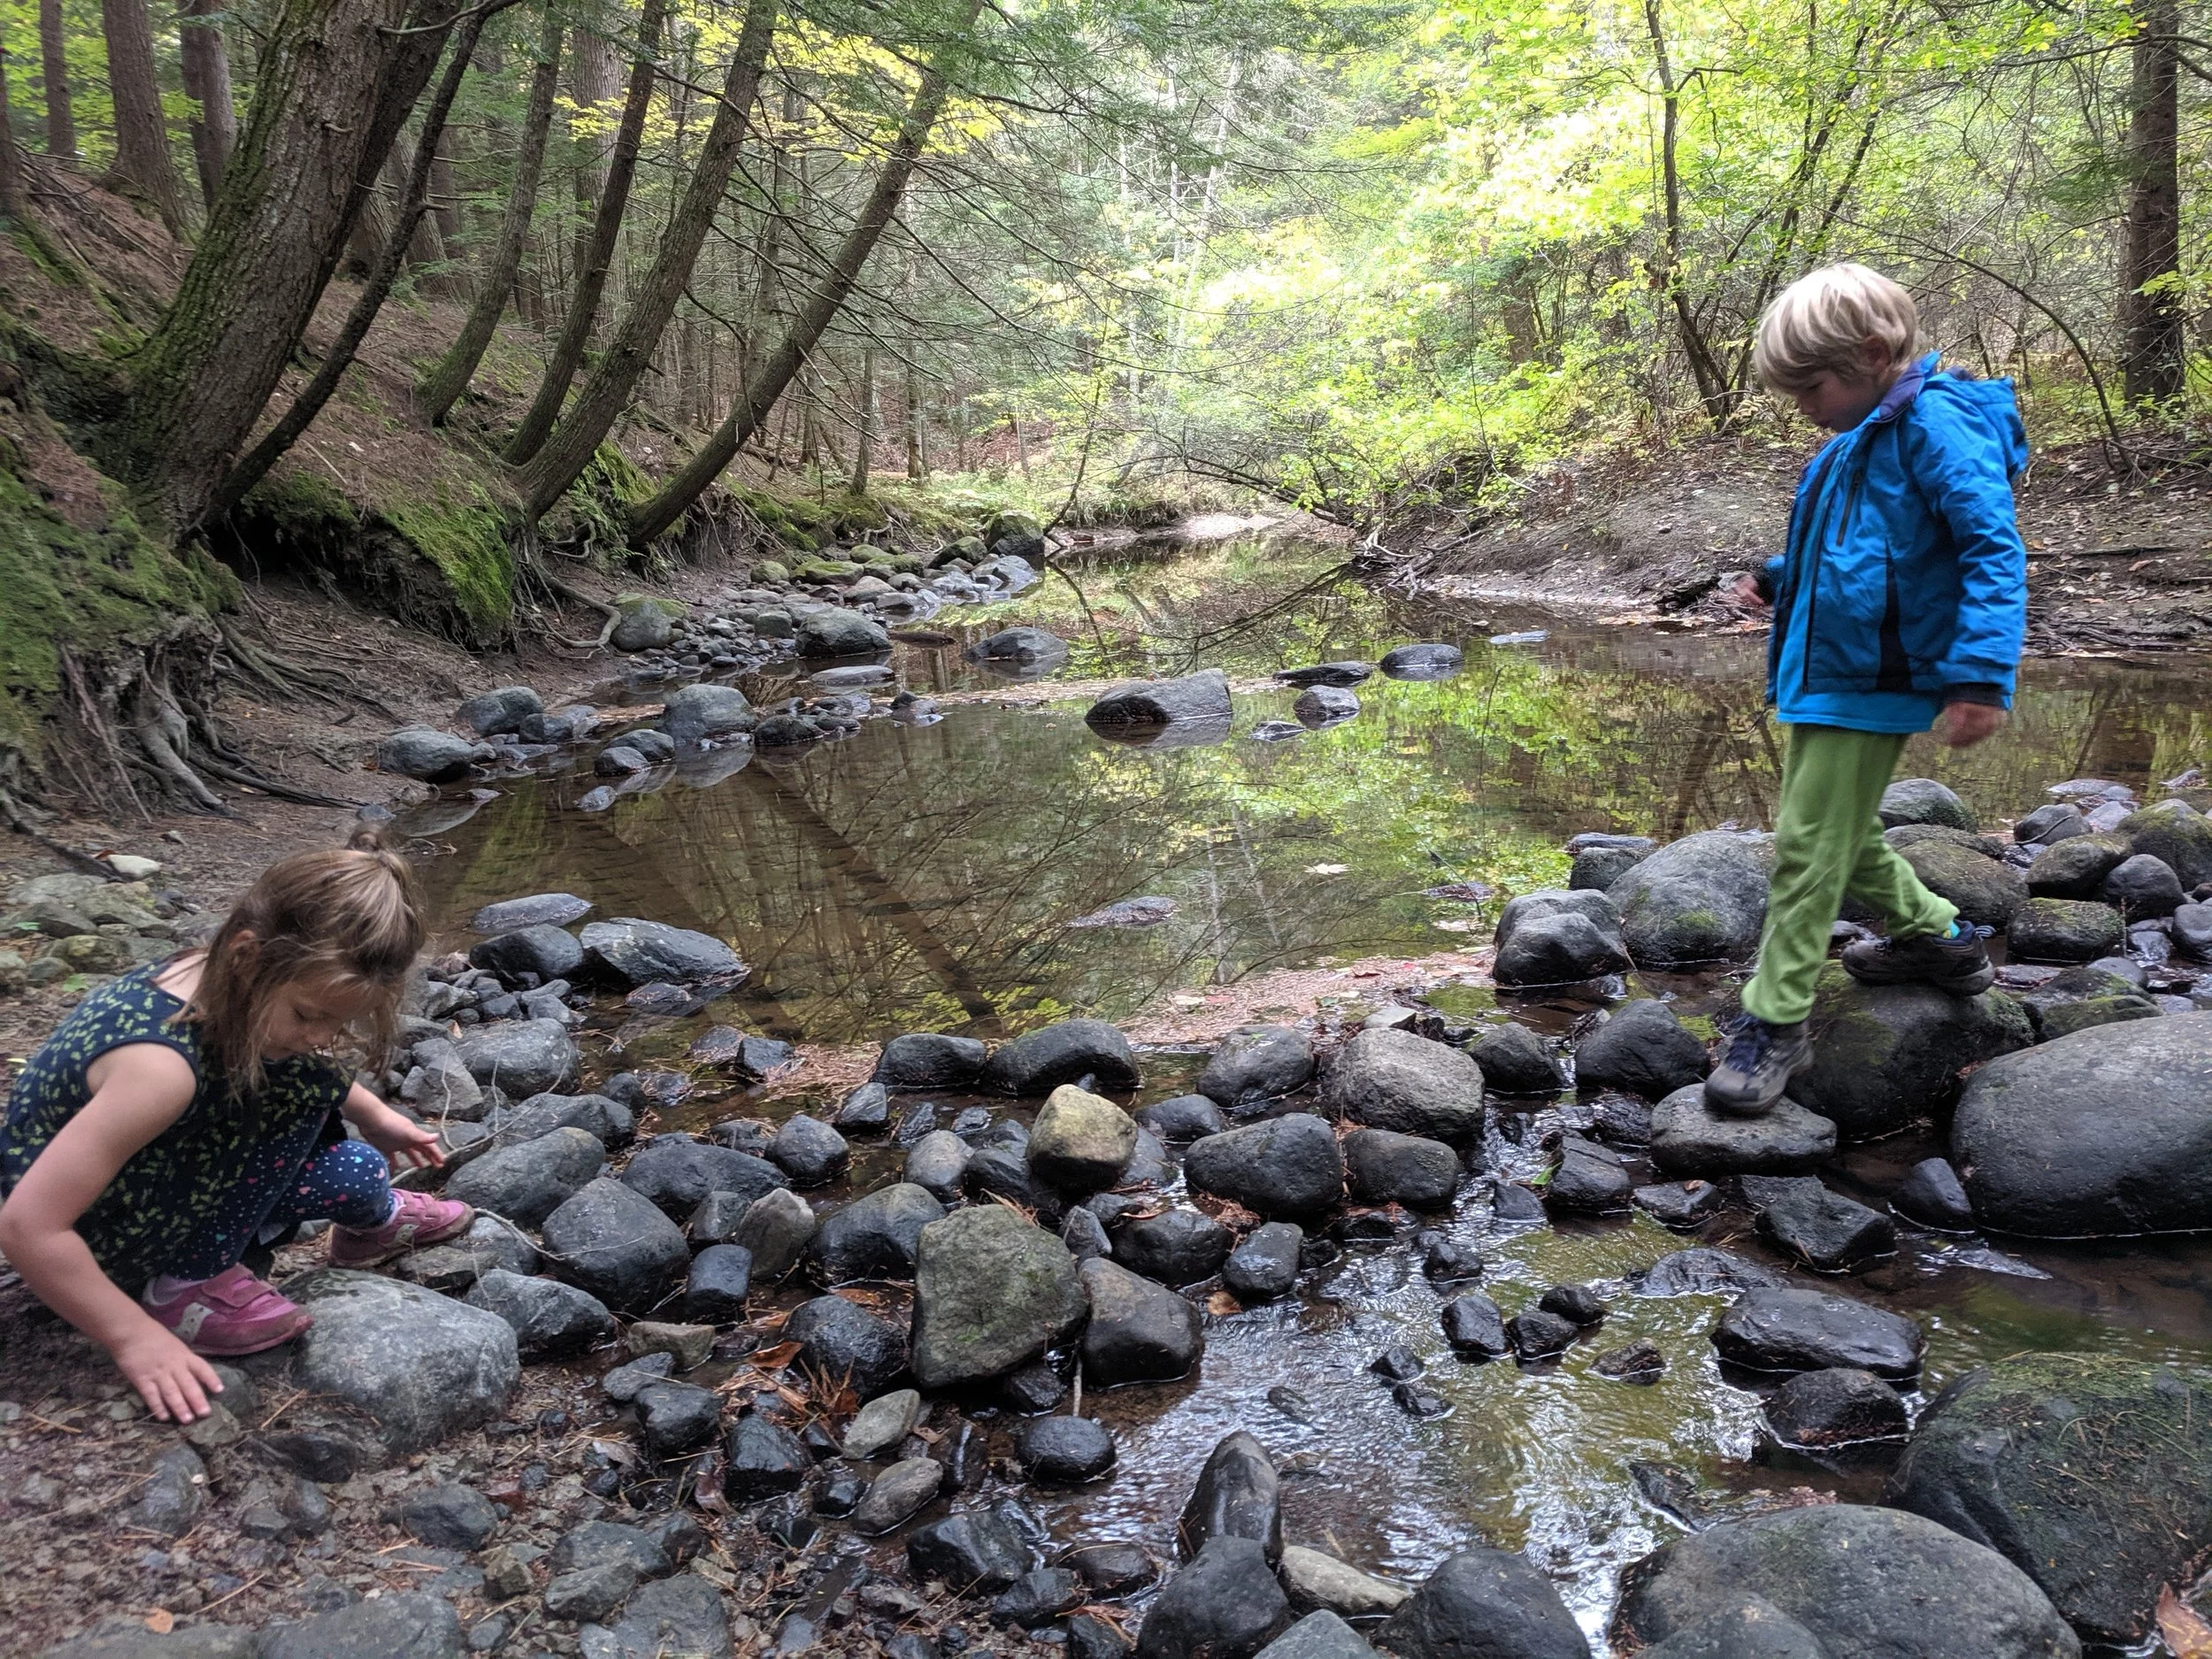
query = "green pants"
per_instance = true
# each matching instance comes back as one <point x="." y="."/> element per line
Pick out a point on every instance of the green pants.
<point x="1828" y="842"/>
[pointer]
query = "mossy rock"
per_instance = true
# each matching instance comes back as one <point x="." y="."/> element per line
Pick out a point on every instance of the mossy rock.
<point x="2066" y="930"/>
<point x="1986" y="890"/>
<point x="828" y="570"/>
<point x="771" y="573"/>
<point x="798" y="540"/>
<point x="1886" y="1056"/>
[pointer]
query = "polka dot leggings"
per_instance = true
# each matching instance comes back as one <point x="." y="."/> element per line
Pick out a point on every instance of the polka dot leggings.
<point x="345" y="1181"/>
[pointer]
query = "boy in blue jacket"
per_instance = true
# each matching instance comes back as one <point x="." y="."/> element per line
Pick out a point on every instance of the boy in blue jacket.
<point x="1901" y="596"/>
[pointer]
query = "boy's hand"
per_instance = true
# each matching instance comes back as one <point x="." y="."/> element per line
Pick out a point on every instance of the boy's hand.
<point x="1746" y="593"/>
<point x="172" y="1381"/>
<point x="1966" y="724"/>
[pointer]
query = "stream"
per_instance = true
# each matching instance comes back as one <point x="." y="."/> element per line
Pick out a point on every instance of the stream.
<point x="923" y="876"/>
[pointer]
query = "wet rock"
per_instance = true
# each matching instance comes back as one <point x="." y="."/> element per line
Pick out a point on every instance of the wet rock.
<point x="2065" y="930"/>
<point x="2102" y="1131"/>
<point x="842" y="1341"/>
<point x="1595" y="868"/>
<point x="2076" y="868"/>
<point x="675" y="1416"/>
<point x="1285" y="1167"/>
<point x="1344" y="673"/>
<point x="624" y="1381"/>
<point x="874" y="1237"/>
<point x="1701" y="1271"/>
<point x="1562" y="948"/>
<point x="883" y="1423"/>
<point x="834" y="631"/>
<point x="611" y="1240"/>
<point x="2176" y="832"/>
<point x="606" y="1121"/>
<point x="1238" y="1495"/>
<point x="1578" y="1304"/>
<point x="809" y="1151"/>
<point x="398" y="1625"/>
<point x="620" y="760"/>
<point x="863" y="1112"/>
<point x="1447" y="1260"/>
<point x="1885" y="1055"/>
<point x="174" y="1494"/>
<point x="1587" y="1182"/>
<point x="520" y="1057"/>
<point x="930" y="1060"/>
<point x="1812" y="1330"/>
<point x="682" y="1615"/>
<point x="1697" y="900"/>
<point x="1924" y="801"/>
<point x="761" y="1459"/>
<point x="1063" y="1450"/>
<point x="1689" y="1138"/>
<point x="1316" y="1582"/>
<point x="1004" y="1173"/>
<point x="326" y="1458"/>
<point x="1474" y="1327"/>
<point x="1392" y="1080"/>
<point x="1185" y="1118"/>
<point x="1396" y="1363"/>
<point x="1509" y="1201"/>
<point x="492" y="713"/>
<point x="1019" y="645"/>
<point x="2059" y="821"/>
<point x="1387" y="1168"/>
<point x="1835" y="1406"/>
<point x="1137" y="1331"/>
<point x="1639" y="1361"/>
<point x="2142" y="887"/>
<point x="1986" y="890"/>
<point x="1826" y="1231"/>
<point x="696" y="712"/>
<point x="1081" y="1141"/>
<point x="1642" y="1048"/>
<point x="643" y="953"/>
<point x="1514" y="1060"/>
<point x="1177" y="1247"/>
<point x="776" y="1228"/>
<point x="1679" y="1204"/>
<point x="454" y="1517"/>
<point x="550" y="1319"/>
<point x="975" y="1553"/>
<point x="1324" y="705"/>
<point x="1088" y="1638"/>
<point x="1424" y="661"/>
<point x="1265" y="1265"/>
<point x="2191" y="929"/>
<point x="721" y="1278"/>
<point x="2062" y="1019"/>
<point x="422" y="1365"/>
<point x="1255" y="1062"/>
<point x="939" y="1165"/>
<point x="435" y="756"/>
<point x="526" y="1183"/>
<point x="675" y="1173"/>
<point x="1085" y="1235"/>
<point x="1484" y="1602"/>
<point x="1039" y="1060"/>
<point x="1226" y="1604"/>
<point x="991" y="1292"/>
<point x="590" y="1594"/>
<point x="898" y="1494"/>
<point x="1537" y="1334"/>
<point x="551" y="953"/>
<point x="1862" y="1583"/>
<point x="1931" y="1196"/>
<point x="1203" y="696"/>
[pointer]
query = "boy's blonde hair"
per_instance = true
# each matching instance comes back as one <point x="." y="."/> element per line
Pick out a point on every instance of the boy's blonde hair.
<point x="1820" y="323"/>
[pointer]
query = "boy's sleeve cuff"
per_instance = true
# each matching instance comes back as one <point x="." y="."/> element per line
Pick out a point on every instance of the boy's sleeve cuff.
<point x="1993" y="695"/>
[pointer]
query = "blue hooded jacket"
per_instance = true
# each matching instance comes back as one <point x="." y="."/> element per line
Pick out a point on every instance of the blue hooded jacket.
<point x="1904" y="582"/>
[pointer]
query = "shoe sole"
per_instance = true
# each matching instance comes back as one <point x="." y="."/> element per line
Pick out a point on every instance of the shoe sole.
<point x="420" y="1241"/>
<point x="219" y="1348"/>
<point x="1969" y="985"/>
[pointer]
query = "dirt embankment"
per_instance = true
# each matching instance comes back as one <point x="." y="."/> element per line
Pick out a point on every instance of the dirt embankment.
<point x="2117" y="561"/>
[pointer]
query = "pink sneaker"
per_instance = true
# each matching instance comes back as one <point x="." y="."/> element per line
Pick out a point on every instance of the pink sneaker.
<point x="420" y="1220"/>
<point x="232" y="1313"/>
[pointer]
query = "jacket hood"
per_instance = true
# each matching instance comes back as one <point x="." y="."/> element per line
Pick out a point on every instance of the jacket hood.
<point x="1989" y="404"/>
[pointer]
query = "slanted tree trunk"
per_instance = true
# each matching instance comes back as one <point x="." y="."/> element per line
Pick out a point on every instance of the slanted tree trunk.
<point x="442" y="388"/>
<point x="413" y="205"/>
<point x="143" y="165"/>
<point x="827" y="297"/>
<point x="334" y="81"/>
<point x="14" y="204"/>
<point x="572" y="445"/>
<point x="61" y="124"/>
<point x="206" y="62"/>
<point x="2152" y="342"/>
<point x="591" y="268"/>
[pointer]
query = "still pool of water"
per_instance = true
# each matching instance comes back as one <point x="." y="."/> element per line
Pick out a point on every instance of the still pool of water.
<point x="924" y="876"/>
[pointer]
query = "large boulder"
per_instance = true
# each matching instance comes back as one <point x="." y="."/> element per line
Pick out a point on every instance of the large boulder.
<point x="550" y="1319"/>
<point x="1924" y="801"/>
<point x="1859" y="1582"/>
<point x="1139" y="1331"/>
<point x="1176" y="1246"/>
<point x="1392" y="1080"/>
<point x="1986" y="890"/>
<point x="503" y="709"/>
<point x="1689" y="1138"/>
<point x="991" y="1292"/>
<point x="2066" y="930"/>
<point x="2076" y="868"/>
<point x="2178" y="833"/>
<point x="695" y="713"/>
<point x="1559" y="937"/>
<point x="1039" y="1060"/>
<point x="1642" y="1048"/>
<point x="875" y="1236"/>
<point x="528" y="1181"/>
<point x="1701" y="899"/>
<point x="1203" y="696"/>
<point x="422" y="1365"/>
<point x="551" y="953"/>
<point x="435" y="756"/>
<point x="1081" y="1141"/>
<point x="1288" y="1166"/>
<point x="1226" y="1604"/>
<point x="930" y="1059"/>
<point x="1384" y="1167"/>
<point x="1481" y="1603"/>
<point x="2106" y="1131"/>
<point x="1811" y="1330"/>
<point x="615" y="1243"/>
<point x="834" y="631"/>
<point x="1514" y="1060"/>
<point x="407" y="1624"/>
<point x="677" y="1172"/>
<point x="646" y="953"/>
<point x="1257" y="1063"/>
<point x="1885" y="1055"/>
<point x="520" y="1057"/>
<point x="1238" y="1495"/>
<point x="2091" y="1473"/>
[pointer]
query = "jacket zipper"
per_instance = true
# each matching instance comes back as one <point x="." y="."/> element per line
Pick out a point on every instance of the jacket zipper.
<point x="1819" y="547"/>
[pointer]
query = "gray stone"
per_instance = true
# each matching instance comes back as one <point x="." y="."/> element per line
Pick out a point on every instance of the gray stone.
<point x="192" y="1641"/>
<point x="538" y="909"/>
<point x="422" y="1365"/>
<point x="1387" y="1168"/>
<point x="1474" y="1327"/>
<point x="1344" y="673"/>
<point x="676" y="1174"/>
<point x="1482" y="1602"/>
<point x="898" y="1494"/>
<point x="551" y="953"/>
<point x="1514" y="1060"/>
<point x="1081" y="1142"/>
<point x="991" y="1292"/>
<point x="1254" y="1063"/>
<point x="1066" y="1451"/>
<point x="1885" y="1055"/>
<point x="614" y="1243"/>
<point x="174" y="1493"/>
<point x="1702" y="1272"/>
<point x="683" y="1615"/>
<point x="1039" y="1060"/>
<point x="490" y="713"/>
<point x="883" y="1423"/>
<point x="606" y="1121"/>
<point x="809" y="1151"/>
<point x="1835" y="1406"/>
<point x="1324" y="705"/>
<point x="1318" y="1582"/>
<point x="1427" y="660"/>
<point x="453" y="1515"/>
<point x="436" y="756"/>
<point x="720" y="1280"/>
<point x="1698" y="900"/>
<point x="1588" y="1181"/>
<point x="1392" y="1080"/>
<point x="930" y="1060"/>
<point x="874" y="1237"/>
<point x="1203" y="696"/>
<point x="526" y="1183"/>
<point x="1985" y="889"/>
<point x="2176" y="832"/>
<point x="1226" y="1604"/>
<point x="1319" y="1635"/>
<point x="1137" y="1331"/>
<point x="520" y="1057"/>
<point x="1284" y="1167"/>
<point x="1265" y="1265"/>
<point x="1643" y="1050"/>
<point x="835" y="632"/>
<point x="1826" y="1231"/>
<point x="1811" y="1330"/>
<point x="696" y="712"/>
<point x="550" y="1319"/>
<point x="1562" y="948"/>
<point x="2066" y="930"/>
<point x="596" y="1543"/>
<point x="590" y="1594"/>
<point x="1924" y="801"/>
<point x="2076" y="868"/>
<point x="761" y="1459"/>
<point x="841" y="1341"/>
<point x="1019" y="645"/>
<point x="402" y="1625"/>
<point x="2143" y="887"/>
<point x="2191" y="929"/>
<point x="645" y="953"/>
<point x="1238" y="1495"/>
<point x="1177" y="1247"/>
<point x="975" y="1553"/>
<point x="937" y="1163"/>
<point x="1689" y="1138"/>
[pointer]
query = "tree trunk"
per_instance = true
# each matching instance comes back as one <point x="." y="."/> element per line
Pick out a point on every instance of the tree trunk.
<point x="14" y="205"/>
<point x="207" y="79"/>
<point x="917" y="439"/>
<point x="413" y="205"/>
<point x="1712" y="384"/>
<point x="336" y="80"/>
<point x="828" y="294"/>
<point x="569" y="448"/>
<point x="2153" y="345"/>
<point x="866" y="435"/>
<point x="442" y="388"/>
<point x="143" y="166"/>
<point x="591" y="267"/>
<point x="61" y="124"/>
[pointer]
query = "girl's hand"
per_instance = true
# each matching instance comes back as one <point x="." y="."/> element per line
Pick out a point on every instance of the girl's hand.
<point x="402" y="1140"/>
<point x="172" y="1381"/>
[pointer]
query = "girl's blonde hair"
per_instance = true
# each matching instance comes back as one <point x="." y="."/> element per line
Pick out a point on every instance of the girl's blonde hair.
<point x="348" y="919"/>
<point x="1819" y="325"/>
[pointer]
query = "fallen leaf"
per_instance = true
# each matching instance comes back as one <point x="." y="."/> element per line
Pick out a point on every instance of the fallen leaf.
<point x="773" y="1358"/>
<point x="1221" y="1304"/>
<point x="2183" y="1627"/>
<point x="161" y="1620"/>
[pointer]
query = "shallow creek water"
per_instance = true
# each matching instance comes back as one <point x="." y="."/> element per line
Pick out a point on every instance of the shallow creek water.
<point x="923" y="876"/>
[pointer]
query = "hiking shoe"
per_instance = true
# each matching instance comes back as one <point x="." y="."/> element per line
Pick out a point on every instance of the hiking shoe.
<point x="1959" y="965"/>
<point x="419" y="1219"/>
<point x="1757" y="1066"/>
<point x="232" y="1313"/>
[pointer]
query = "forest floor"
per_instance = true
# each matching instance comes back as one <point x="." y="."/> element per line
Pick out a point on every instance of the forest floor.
<point x="2117" y="562"/>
